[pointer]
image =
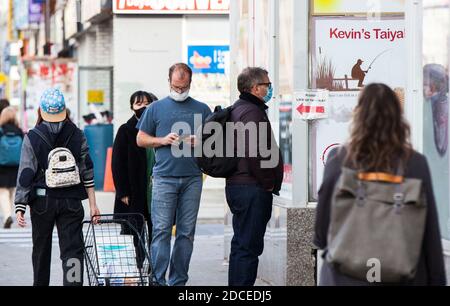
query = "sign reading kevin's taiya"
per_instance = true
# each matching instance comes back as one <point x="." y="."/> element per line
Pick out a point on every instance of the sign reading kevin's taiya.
<point x="171" y="6"/>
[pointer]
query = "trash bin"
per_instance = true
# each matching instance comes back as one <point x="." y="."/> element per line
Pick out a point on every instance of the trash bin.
<point x="99" y="138"/>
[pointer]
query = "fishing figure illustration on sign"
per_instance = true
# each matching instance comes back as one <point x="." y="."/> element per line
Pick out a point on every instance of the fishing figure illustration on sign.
<point x="359" y="74"/>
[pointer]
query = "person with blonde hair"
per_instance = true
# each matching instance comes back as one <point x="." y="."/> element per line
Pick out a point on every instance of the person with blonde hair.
<point x="10" y="145"/>
<point x="4" y="103"/>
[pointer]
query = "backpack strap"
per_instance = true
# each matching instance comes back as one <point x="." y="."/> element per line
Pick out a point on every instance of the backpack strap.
<point x="48" y="142"/>
<point x="399" y="196"/>
<point x="43" y="137"/>
<point x="69" y="138"/>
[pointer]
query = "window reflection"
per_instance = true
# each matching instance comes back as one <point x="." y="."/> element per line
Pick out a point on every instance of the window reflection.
<point x="436" y="23"/>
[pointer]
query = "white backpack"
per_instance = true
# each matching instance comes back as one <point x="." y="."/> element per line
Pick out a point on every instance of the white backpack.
<point x="62" y="170"/>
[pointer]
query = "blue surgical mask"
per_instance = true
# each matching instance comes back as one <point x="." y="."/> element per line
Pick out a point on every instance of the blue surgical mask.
<point x="269" y="95"/>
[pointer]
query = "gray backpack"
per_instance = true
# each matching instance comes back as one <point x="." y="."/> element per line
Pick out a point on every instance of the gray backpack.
<point x="376" y="218"/>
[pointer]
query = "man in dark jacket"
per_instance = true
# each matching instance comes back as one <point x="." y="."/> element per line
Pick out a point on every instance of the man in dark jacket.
<point x="259" y="175"/>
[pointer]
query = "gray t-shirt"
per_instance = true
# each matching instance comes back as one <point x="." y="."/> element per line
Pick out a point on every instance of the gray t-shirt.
<point x="168" y="116"/>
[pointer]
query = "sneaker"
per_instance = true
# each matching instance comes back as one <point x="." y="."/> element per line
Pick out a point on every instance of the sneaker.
<point x="8" y="223"/>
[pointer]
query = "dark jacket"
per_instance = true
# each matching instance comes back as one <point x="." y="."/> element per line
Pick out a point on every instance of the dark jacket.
<point x="73" y="137"/>
<point x="129" y="167"/>
<point x="247" y="110"/>
<point x="8" y="175"/>
<point x="34" y="158"/>
<point x="431" y="269"/>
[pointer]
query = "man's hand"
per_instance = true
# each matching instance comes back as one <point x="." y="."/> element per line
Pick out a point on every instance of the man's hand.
<point x="21" y="219"/>
<point x="192" y="141"/>
<point x="171" y="139"/>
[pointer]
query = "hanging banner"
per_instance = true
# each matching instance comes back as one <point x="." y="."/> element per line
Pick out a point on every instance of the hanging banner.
<point x="171" y="6"/>
<point x="35" y="12"/>
<point x="349" y="7"/>
<point x="21" y="10"/>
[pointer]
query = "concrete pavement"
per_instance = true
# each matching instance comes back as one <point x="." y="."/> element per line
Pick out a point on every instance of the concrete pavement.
<point x="208" y="267"/>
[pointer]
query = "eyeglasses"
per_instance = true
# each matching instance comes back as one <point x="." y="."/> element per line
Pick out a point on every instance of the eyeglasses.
<point x="265" y="84"/>
<point x="180" y="89"/>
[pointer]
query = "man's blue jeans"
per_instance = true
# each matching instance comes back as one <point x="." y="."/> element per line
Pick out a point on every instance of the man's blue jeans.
<point x="172" y="196"/>
<point x="251" y="206"/>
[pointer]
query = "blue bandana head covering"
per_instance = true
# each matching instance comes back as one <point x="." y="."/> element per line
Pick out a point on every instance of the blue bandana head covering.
<point x="52" y="102"/>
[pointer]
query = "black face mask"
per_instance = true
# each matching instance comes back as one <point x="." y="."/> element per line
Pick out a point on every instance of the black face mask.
<point x="140" y="112"/>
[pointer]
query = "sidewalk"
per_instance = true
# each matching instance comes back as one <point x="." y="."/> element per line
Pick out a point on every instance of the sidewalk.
<point x="207" y="265"/>
<point x="207" y="268"/>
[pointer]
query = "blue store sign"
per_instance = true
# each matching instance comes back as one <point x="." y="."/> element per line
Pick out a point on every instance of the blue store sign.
<point x="209" y="59"/>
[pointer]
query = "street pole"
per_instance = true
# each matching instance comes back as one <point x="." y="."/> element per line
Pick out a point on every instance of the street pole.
<point x="47" y="27"/>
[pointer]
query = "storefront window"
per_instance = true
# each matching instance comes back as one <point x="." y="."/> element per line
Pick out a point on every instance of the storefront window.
<point x="436" y="33"/>
<point x="286" y="89"/>
<point x="243" y="54"/>
<point x="262" y="48"/>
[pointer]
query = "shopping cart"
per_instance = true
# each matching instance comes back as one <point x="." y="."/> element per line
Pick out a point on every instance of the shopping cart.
<point x="117" y="251"/>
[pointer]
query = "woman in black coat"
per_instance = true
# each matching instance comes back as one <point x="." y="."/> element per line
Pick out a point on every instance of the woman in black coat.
<point x="8" y="174"/>
<point x="380" y="139"/>
<point x="130" y="166"/>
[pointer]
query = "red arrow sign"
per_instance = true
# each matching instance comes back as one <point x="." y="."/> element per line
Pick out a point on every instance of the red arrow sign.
<point x="302" y="109"/>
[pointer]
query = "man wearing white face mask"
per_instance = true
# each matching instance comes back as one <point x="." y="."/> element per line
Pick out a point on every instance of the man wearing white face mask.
<point x="177" y="181"/>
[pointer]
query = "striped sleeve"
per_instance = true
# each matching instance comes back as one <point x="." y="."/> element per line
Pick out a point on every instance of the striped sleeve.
<point x="27" y="170"/>
<point x="21" y="208"/>
<point x="86" y="165"/>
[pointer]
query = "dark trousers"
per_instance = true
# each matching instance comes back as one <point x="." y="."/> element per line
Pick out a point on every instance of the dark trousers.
<point x="252" y="209"/>
<point x="68" y="216"/>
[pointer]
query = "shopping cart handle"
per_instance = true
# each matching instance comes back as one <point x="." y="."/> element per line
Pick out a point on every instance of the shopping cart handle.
<point x="109" y="221"/>
<point x="115" y="221"/>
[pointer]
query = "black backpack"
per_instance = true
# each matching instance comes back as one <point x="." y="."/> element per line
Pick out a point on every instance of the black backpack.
<point x="218" y="166"/>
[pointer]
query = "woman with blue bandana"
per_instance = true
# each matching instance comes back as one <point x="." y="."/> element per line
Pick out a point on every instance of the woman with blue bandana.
<point x="49" y="206"/>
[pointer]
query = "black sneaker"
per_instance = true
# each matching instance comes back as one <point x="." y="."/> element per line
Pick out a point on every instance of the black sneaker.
<point x="8" y="223"/>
